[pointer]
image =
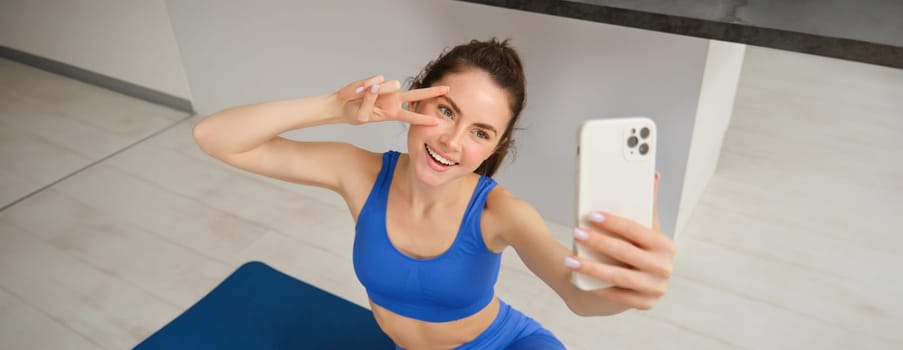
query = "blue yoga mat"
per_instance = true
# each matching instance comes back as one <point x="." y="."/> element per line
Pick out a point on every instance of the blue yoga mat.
<point x="258" y="307"/>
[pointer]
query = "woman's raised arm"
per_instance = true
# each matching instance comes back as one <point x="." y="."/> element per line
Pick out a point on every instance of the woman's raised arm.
<point x="247" y="136"/>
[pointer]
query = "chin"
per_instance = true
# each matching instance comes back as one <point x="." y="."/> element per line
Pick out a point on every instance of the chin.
<point x="428" y="176"/>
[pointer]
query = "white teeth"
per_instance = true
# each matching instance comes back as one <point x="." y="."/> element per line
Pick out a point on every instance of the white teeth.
<point x="439" y="158"/>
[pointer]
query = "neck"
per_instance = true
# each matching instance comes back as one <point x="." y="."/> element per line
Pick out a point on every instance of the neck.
<point x="423" y="198"/>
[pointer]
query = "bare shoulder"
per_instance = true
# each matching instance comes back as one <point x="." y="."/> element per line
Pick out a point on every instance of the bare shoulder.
<point x="365" y="165"/>
<point x="506" y="215"/>
<point x="505" y="205"/>
<point x="360" y="158"/>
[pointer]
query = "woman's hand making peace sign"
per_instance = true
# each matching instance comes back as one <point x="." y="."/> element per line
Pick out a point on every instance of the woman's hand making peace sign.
<point x="375" y="100"/>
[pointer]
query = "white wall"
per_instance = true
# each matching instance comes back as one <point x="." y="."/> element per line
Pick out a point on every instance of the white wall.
<point x="130" y="40"/>
<point x="716" y="104"/>
<point x="242" y="52"/>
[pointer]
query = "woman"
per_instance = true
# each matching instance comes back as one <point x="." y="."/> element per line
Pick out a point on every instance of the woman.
<point x="431" y="224"/>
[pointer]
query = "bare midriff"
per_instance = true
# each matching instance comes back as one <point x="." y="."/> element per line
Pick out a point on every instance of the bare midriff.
<point x="409" y="333"/>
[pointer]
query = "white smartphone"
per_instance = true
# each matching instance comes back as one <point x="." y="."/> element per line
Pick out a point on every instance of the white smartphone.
<point x="616" y="173"/>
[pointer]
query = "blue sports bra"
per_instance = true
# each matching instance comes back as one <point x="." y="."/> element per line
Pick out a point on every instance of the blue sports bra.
<point x="454" y="285"/>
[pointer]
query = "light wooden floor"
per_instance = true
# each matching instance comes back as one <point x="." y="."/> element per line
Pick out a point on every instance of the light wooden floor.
<point x="795" y="244"/>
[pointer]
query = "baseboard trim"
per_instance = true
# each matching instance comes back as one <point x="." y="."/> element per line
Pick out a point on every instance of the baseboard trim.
<point x="98" y="79"/>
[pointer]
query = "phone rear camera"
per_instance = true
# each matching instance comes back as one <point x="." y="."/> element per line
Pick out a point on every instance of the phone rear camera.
<point x="644" y="133"/>
<point x="632" y="141"/>
<point x="644" y="148"/>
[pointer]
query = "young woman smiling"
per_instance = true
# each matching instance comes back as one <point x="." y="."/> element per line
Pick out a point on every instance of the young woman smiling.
<point x="431" y="223"/>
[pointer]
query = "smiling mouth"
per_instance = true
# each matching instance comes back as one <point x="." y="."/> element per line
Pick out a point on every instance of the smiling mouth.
<point x="439" y="159"/>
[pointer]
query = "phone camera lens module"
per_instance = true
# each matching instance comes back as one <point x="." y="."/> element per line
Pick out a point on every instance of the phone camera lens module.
<point x="644" y="133"/>
<point x="632" y="141"/>
<point x="644" y="148"/>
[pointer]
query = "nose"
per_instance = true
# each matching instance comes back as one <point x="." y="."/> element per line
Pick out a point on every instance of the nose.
<point x="451" y="138"/>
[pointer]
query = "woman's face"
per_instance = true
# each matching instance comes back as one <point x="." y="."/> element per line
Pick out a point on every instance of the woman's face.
<point x="472" y="119"/>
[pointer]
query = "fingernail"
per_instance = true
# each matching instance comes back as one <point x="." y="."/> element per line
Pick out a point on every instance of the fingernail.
<point x="571" y="262"/>
<point x="374" y="89"/>
<point x="580" y="235"/>
<point x="359" y="89"/>
<point x="596" y="217"/>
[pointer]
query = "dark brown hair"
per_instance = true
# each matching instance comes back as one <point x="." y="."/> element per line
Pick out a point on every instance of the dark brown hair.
<point x="503" y="64"/>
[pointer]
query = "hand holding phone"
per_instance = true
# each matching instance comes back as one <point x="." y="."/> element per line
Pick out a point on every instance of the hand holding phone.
<point x="615" y="173"/>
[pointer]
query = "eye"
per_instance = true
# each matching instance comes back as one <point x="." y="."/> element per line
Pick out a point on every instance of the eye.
<point x="445" y="111"/>
<point x="481" y="134"/>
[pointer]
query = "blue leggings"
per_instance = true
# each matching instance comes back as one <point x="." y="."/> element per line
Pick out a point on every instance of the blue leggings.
<point x="512" y="330"/>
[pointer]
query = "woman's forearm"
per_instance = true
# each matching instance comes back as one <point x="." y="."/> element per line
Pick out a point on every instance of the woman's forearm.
<point x="241" y="129"/>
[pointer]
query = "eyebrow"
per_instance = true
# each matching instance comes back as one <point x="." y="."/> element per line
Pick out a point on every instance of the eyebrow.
<point x="458" y="111"/>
